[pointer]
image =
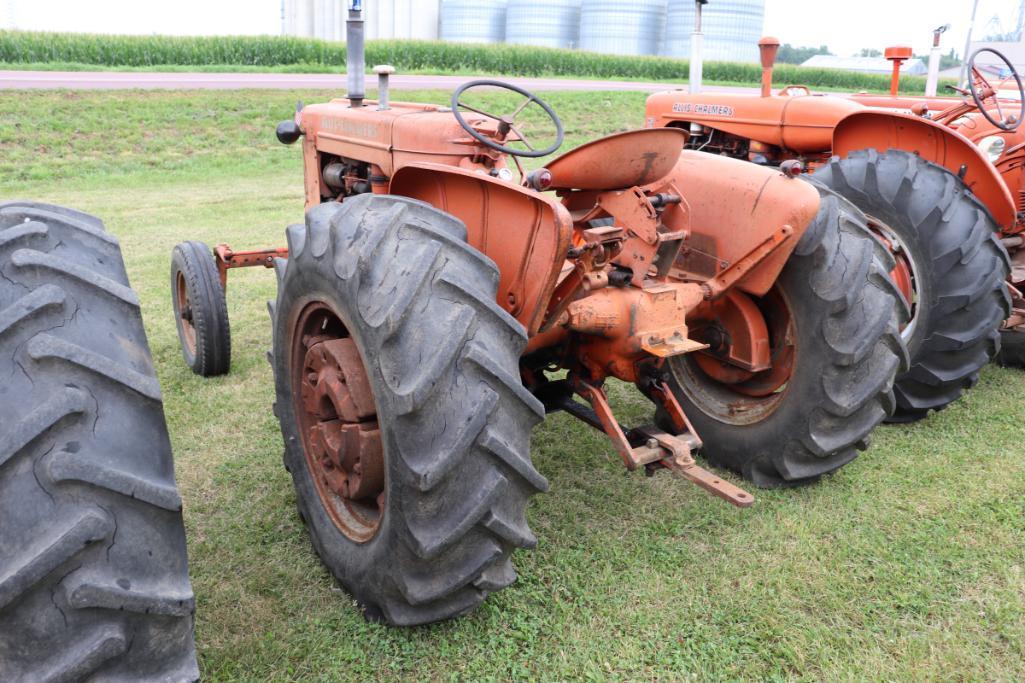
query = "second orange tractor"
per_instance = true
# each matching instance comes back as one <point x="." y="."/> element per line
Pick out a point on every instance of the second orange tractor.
<point x="940" y="180"/>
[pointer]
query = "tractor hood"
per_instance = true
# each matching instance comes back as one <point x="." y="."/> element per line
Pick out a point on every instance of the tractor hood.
<point x="405" y="133"/>
<point x="800" y="124"/>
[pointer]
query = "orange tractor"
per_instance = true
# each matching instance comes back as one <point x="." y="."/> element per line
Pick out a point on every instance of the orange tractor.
<point x="434" y="307"/>
<point x="940" y="180"/>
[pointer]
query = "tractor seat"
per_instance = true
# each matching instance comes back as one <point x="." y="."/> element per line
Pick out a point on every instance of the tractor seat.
<point x="614" y="162"/>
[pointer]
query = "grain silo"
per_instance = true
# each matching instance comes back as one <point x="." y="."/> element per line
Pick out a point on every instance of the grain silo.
<point x="382" y="19"/>
<point x="473" y="21"/>
<point x="401" y="19"/>
<point x="545" y="23"/>
<point x="730" y="28"/>
<point x="623" y="28"/>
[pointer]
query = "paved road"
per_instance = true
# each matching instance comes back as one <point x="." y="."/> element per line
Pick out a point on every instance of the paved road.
<point x="122" y="80"/>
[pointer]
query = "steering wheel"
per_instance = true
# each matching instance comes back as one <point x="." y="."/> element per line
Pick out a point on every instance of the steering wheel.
<point x="982" y="90"/>
<point x="506" y="123"/>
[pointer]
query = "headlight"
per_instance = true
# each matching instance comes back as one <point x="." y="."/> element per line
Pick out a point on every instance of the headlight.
<point x="992" y="146"/>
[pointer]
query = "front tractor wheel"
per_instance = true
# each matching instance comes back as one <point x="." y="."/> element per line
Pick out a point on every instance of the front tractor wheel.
<point x="405" y="423"/>
<point x="832" y="323"/>
<point x="950" y="265"/>
<point x="200" y="309"/>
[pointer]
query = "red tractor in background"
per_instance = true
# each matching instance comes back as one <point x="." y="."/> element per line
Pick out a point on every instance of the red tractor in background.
<point x="940" y="180"/>
<point x="434" y="307"/>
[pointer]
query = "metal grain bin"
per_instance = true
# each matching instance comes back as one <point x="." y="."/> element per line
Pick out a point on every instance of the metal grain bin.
<point x="624" y="28"/>
<point x="545" y="23"/>
<point x="473" y="21"/>
<point x="731" y="29"/>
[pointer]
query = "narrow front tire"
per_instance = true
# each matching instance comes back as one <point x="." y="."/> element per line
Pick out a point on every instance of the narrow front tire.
<point x="200" y="310"/>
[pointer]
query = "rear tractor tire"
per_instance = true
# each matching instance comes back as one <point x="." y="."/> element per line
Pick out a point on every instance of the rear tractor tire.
<point x="834" y="318"/>
<point x="93" y="570"/>
<point x="406" y="426"/>
<point x="200" y="310"/>
<point x="948" y="249"/>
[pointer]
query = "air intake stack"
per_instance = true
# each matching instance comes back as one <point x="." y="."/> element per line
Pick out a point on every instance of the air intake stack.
<point x="767" y="48"/>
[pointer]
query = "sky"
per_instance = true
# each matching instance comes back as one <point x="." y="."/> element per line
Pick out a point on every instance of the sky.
<point x="845" y="26"/>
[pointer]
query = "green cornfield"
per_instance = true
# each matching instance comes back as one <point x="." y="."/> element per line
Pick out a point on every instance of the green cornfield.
<point x="23" y="47"/>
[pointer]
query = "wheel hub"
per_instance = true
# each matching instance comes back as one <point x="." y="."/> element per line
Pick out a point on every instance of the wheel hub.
<point x="337" y="418"/>
<point x="905" y="271"/>
<point x="185" y="313"/>
<point x="748" y="350"/>
<point x="733" y="394"/>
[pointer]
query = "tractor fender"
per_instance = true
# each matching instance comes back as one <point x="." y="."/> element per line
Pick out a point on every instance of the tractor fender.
<point x="735" y="206"/>
<point x="525" y="233"/>
<point x="883" y="130"/>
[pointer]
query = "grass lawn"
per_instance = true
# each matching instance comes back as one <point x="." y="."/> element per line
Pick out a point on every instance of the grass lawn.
<point x="907" y="564"/>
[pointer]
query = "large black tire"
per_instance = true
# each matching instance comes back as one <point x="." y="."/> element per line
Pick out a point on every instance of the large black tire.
<point x="960" y="269"/>
<point x="455" y="419"/>
<point x="847" y="316"/>
<point x="203" y="332"/>
<point x="93" y="571"/>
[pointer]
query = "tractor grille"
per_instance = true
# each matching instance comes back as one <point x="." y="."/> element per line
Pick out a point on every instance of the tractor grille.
<point x="1021" y="201"/>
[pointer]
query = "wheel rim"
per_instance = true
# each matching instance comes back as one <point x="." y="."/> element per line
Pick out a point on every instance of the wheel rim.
<point x="904" y="273"/>
<point x="739" y="397"/>
<point x="184" y="305"/>
<point x="337" y="419"/>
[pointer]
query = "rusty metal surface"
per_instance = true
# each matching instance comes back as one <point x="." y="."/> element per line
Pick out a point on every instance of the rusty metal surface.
<point x="656" y="448"/>
<point x="632" y="457"/>
<point x="337" y="416"/>
<point x="225" y="258"/>
<point x="637" y="157"/>
<point x="618" y="328"/>
<point x="715" y="485"/>
<point x="344" y="437"/>
<point x="737" y="337"/>
<point x="679" y="460"/>
<point x="771" y="324"/>
<point x="740" y="208"/>
<point x="740" y="268"/>
<point x="181" y="293"/>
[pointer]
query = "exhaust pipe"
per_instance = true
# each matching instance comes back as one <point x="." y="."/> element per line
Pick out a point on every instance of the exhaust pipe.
<point x="694" y="77"/>
<point x="767" y="49"/>
<point x="355" y="66"/>
<point x="934" y="61"/>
